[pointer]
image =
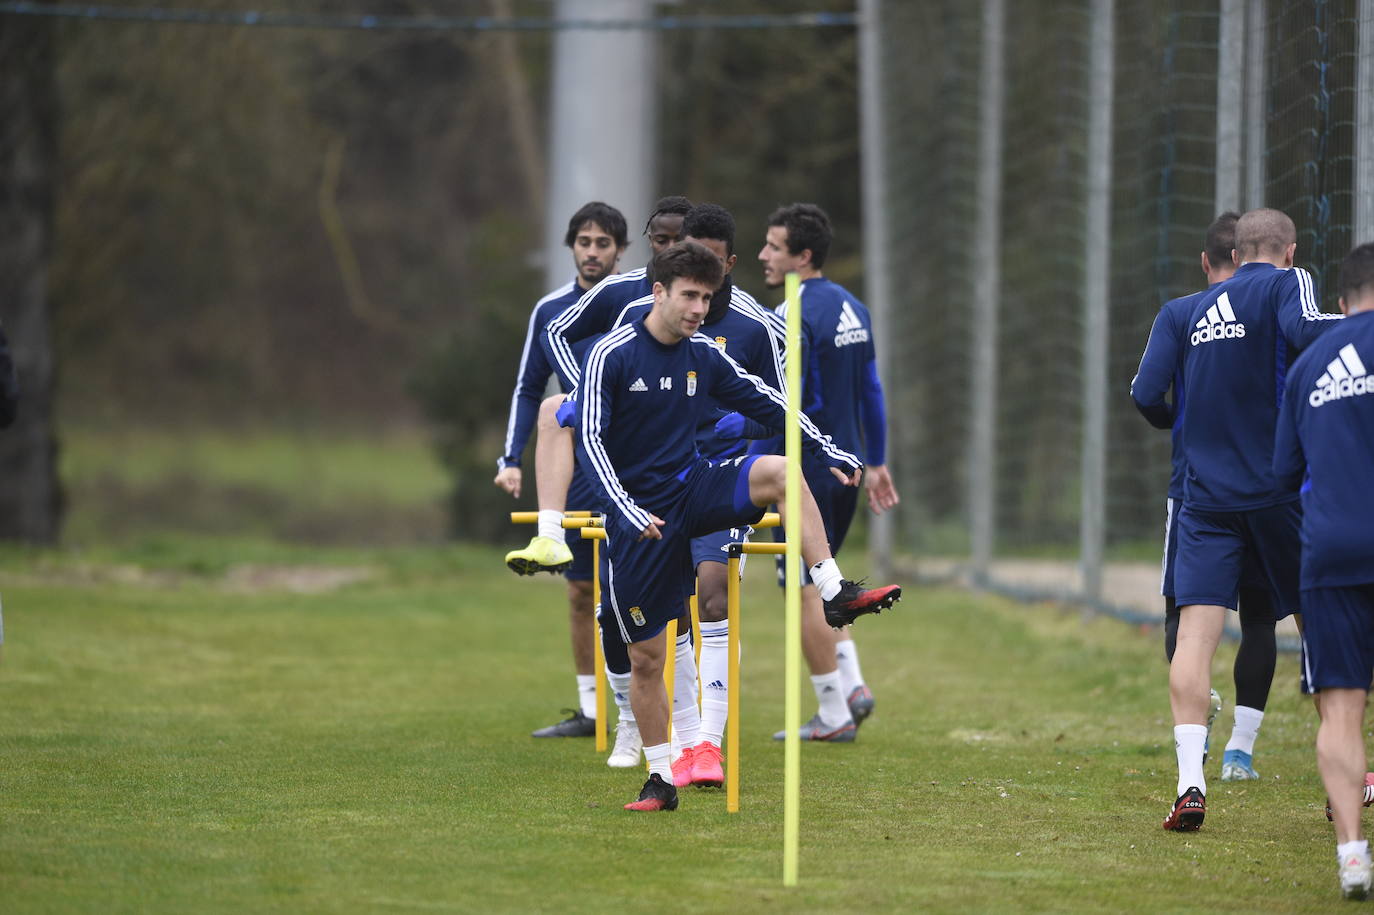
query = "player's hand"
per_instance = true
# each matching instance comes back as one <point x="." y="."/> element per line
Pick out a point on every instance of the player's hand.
<point x="508" y="478"/>
<point x="846" y="478"/>
<point x="567" y="412"/>
<point x="882" y="495"/>
<point x="651" y="532"/>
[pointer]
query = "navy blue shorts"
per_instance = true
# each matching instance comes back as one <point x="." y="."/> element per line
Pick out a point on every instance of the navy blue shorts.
<point x="581" y="497"/>
<point x="1214" y="549"/>
<point x="714" y="547"/>
<point x="1338" y="637"/>
<point x="648" y="582"/>
<point x="837" y="503"/>
<point x="1251" y="577"/>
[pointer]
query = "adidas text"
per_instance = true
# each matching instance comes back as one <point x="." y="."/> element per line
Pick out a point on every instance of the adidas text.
<point x="1217" y="332"/>
<point x="1345" y="376"/>
<point x="858" y="335"/>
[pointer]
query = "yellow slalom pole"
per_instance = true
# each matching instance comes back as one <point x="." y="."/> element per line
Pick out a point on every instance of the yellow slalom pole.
<point x="669" y="663"/>
<point x="791" y="815"/>
<point x="732" y="683"/>
<point x="600" y="669"/>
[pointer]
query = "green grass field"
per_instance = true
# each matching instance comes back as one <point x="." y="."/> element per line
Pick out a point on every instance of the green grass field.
<point x="212" y="725"/>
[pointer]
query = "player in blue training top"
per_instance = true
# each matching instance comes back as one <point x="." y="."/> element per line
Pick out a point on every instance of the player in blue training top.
<point x="592" y="314"/>
<point x="1235" y="359"/>
<point x="1326" y="434"/>
<point x="841" y="392"/>
<point x="597" y="237"/>
<point x="748" y="333"/>
<point x="646" y="390"/>
<point x="1254" y="667"/>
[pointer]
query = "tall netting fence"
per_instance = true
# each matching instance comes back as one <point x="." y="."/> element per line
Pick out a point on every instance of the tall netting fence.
<point x="1164" y="121"/>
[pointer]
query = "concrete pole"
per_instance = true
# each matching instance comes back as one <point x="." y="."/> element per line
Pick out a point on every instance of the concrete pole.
<point x="1230" y="104"/>
<point x="1256" y="115"/>
<point x="1364" y="127"/>
<point x="987" y="291"/>
<point x="601" y="125"/>
<point x="1096" y="290"/>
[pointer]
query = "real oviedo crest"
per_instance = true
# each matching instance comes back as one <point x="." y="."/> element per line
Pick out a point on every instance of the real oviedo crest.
<point x="691" y="384"/>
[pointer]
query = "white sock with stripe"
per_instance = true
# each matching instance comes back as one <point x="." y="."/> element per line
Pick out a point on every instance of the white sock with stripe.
<point x="1188" y="743"/>
<point x="620" y="692"/>
<point x="686" y="715"/>
<point x="658" y="758"/>
<point x="833" y="709"/>
<point x="1246" y="730"/>
<point x="715" y="679"/>
<point x="551" y="524"/>
<point x="847" y="659"/>
<point x="586" y="694"/>
<point x="825" y="575"/>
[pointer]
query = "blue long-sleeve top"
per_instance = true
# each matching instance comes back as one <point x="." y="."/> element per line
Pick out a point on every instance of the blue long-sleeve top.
<point x="840" y="387"/>
<point x="1240" y="334"/>
<point x="641" y="405"/>
<point x="1168" y="338"/>
<point x="533" y="374"/>
<point x="746" y="332"/>
<point x="589" y="316"/>
<point x="1326" y="433"/>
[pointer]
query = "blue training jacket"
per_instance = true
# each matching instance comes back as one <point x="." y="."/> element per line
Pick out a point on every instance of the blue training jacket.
<point x="1240" y="335"/>
<point x="641" y="404"/>
<point x="533" y="374"/>
<point x="591" y="315"/>
<point x="1166" y="340"/>
<point x="1326" y="431"/>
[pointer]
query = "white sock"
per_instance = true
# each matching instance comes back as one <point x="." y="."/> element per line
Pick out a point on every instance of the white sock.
<point x="620" y="692"/>
<point x="847" y="658"/>
<point x="586" y="694"/>
<point x="1246" y="730"/>
<point x="551" y="524"/>
<point x="825" y="575"/>
<point x="659" y="761"/>
<point x="1354" y="847"/>
<point x="834" y="711"/>
<point x="715" y="680"/>
<point x="686" y="715"/>
<point x="1188" y="742"/>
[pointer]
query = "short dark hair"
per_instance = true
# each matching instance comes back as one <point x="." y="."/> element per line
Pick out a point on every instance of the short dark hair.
<point x="1221" y="238"/>
<point x="808" y="227"/>
<point x="687" y="260"/>
<point x="1357" y="271"/>
<point x="611" y="221"/>
<point x="1264" y="233"/>
<point x="668" y="206"/>
<point x="710" y="220"/>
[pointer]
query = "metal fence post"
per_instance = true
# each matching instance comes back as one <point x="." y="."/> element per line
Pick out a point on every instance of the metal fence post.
<point x="1096" y="288"/>
<point x="987" y="290"/>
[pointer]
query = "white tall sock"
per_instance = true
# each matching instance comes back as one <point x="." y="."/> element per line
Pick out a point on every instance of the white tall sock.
<point x="658" y="757"/>
<point x="686" y="715"/>
<point x="551" y="524"/>
<point x="847" y="658"/>
<point x="1247" y="729"/>
<point x="715" y="679"/>
<point x="1353" y="847"/>
<point x="1188" y="743"/>
<point x="620" y="692"/>
<point x="825" y="575"/>
<point x="834" y="711"/>
<point x="586" y="694"/>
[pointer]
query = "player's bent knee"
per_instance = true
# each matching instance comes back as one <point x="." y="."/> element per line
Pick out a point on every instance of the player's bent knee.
<point x="767" y="479"/>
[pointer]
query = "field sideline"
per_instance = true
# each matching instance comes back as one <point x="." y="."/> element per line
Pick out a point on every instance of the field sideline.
<point x="230" y="726"/>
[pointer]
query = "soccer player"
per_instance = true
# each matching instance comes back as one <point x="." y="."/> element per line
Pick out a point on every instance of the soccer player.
<point x="643" y="397"/>
<point x="1254" y="667"/>
<point x="1235" y="357"/>
<point x="1326" y="434"/>
<point x="747" y="332"/>
<point x="593" y="313"/>
<point x="597" y="237"/>
<point x="842" y="394"/>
